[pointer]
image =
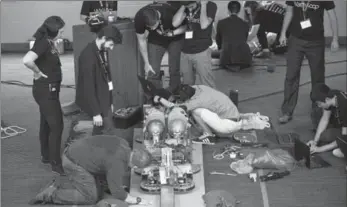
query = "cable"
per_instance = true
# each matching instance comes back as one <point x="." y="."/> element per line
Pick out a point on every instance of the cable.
<point x="281" y="91"/>
<point x="283" y="65"/>
<point x="19" y="83"/>
<point x="304" y="64"/>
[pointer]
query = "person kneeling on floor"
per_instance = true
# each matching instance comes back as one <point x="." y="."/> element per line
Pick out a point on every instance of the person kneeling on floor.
<point x="334" y="105"/>
<point x="83" y="160"/>
<point x="214" y="112"/>
<point x="231" y="38"/>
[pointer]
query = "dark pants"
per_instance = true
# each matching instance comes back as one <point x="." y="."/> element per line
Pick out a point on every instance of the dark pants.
<point x="83" y="189"/>
<point x="262" y="38"/>
<point x="107" y="125"/>
<point x="297" y="50"/>
<point x="342" y="144"/>
<point x="51" y="120"/>
<point x="329" y="135"/>
<point x="334" y="134"/>
<point x="155" y="56"/>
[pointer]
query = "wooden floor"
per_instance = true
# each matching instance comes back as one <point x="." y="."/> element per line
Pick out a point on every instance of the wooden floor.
<point x="23" y="175"/>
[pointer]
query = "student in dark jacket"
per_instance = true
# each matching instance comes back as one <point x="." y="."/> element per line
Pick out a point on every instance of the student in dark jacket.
<point x="86" y="158"/>
<point x="231" y="38"/>
<point x="94" y="83"/>
<point x="43" y="59"/>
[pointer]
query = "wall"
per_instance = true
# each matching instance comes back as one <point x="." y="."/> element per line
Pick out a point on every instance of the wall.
<point x="18" y="23"/>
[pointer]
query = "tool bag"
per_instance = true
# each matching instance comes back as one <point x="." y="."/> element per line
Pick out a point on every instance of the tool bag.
<point x="219" y="198"/>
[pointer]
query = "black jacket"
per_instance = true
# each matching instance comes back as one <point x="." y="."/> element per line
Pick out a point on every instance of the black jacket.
<point x="92" y="92"/>
<point x="231" y="38"/>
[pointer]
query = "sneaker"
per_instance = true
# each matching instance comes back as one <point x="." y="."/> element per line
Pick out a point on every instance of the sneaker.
<point x="208" y="140"/>
<point x="337" y="153"/>
<point x="285" y="119"/>
<point x="58" y="169"/>
<point x="263" y="54"/>
<point x="44" y="196"/>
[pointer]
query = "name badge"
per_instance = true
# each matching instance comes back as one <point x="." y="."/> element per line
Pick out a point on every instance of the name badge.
<point x="110" y="85"/>
<point x="305" y="24"/>
<point x="189" y="34"/>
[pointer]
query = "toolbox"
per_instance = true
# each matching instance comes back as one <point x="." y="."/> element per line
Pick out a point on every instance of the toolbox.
<point x="125" y="118"/>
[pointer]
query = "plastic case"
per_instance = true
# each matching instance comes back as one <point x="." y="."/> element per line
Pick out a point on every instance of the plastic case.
<point x="127" y="117"/>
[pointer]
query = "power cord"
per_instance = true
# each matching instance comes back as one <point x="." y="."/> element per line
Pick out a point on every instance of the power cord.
<point x="20" y="83"/>
<point x="281" y="91"/>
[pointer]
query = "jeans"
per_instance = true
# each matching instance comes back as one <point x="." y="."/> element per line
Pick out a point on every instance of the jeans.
<point x="297" y="50"/>
<point x="51" y="120"/>
<point x="197" y="69"/>
<point x="83" y="188"/>
<point x="155" y="56"/>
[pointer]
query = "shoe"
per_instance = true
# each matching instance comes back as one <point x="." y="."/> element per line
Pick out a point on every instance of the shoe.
<point x="337" y="153"/>
<point x="285" y="119"/>
<point x="45" y="194"/>
<point x="45" y="160"/>
<point x="205" y="139"/>
<point x="58" y="169"/>
<point x="233" y="68"/>
<point x="263" y="54"/>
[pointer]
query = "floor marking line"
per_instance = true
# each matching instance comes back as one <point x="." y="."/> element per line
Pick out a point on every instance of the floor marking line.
<point x="263" y="190"/>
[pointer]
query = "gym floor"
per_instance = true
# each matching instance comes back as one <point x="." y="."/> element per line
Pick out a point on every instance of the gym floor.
<point x="23" y="174"/>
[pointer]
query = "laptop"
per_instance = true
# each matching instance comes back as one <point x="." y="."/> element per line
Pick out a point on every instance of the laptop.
<point x="302" y="151"/>
<point x="151" y="90"/>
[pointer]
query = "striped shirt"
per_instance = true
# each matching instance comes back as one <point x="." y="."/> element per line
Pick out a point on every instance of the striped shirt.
<point x="274" y="7"/>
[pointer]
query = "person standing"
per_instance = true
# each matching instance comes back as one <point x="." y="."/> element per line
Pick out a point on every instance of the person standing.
<point x="94" y="86"/>
<point x="196" y="60"/>
<point x="156" y="35"/>
<point x="264" y="18"/>
<point x="106" y="8"/>
<point x="306" y="20"/>
<point x="43" y="59"/>
<point x="231" y="38"/>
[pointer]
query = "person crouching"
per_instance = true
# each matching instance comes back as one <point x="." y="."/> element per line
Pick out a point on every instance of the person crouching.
<point x="214" y="112"/>
<point x="84" y="159"/>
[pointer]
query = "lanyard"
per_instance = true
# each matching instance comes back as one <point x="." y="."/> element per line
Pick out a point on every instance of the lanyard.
<point x="192" y="15"/>
<point x="304" y="9"/>
<point x="104" y="63"/>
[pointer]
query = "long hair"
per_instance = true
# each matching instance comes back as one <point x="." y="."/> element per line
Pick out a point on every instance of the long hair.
<point x="50" y="28"/>
<point x="254" y="6"/>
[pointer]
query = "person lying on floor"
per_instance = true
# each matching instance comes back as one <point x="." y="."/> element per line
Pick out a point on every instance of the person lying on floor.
<point x="214" y="112"/>
<point x="89" y="157"/>
<point x="231" y="39"/>
<point x="334" y="105"/>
